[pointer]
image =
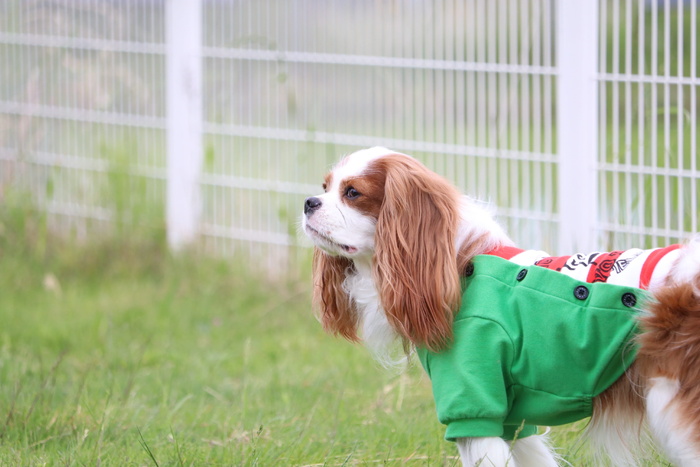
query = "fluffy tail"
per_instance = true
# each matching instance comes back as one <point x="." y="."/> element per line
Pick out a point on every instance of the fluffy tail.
<point x="670" y="354"/>
<point x="662" y="388"/>
<point x="670" y="338"/>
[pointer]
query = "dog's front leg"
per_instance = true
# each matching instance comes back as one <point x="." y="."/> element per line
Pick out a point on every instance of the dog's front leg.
<point x="485" y="452"/>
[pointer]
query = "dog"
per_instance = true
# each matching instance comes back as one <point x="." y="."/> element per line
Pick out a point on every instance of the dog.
<point x="401" y="256"/>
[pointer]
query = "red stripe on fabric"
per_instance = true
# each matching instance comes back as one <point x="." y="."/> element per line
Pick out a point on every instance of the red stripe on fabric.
<point x="591" y="271"/>
<point x="553" y="262"/>
<point x="505" y="252"/>
<point x="651" y="262"/>
<point x="602" y="266"/>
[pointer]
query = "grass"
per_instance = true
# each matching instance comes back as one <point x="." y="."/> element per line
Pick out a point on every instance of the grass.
<point x="118" y="353"/>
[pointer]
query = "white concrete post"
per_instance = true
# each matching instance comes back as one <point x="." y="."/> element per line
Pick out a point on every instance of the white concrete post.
<point x="577" y="124"/>
<point x="184" y="119"/>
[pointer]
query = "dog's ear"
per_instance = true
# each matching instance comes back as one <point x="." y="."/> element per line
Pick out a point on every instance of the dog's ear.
<point x="415" y="259"/>
<point x="335" y="309"/>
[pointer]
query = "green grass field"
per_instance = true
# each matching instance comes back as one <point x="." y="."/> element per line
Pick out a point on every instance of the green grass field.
<point x="116" y="353"/>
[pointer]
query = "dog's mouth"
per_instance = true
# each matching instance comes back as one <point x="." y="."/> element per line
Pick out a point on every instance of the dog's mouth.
<point x="316" y="234"/>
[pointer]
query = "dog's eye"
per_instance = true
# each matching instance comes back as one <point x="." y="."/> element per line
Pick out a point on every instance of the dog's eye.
<point x="351" y="193"/>
<point x="325" y="187"/>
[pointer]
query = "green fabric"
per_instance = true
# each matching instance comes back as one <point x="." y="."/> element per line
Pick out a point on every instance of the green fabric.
<point x="528" y="352"/>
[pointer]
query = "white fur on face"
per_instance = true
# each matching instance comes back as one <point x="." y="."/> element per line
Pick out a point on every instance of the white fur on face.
<point x="335" y="227"/>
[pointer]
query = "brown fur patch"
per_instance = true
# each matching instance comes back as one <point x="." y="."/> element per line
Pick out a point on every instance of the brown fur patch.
<point x="670" y="347"/>
<point x="336" y="312"/>
<point x="370" y="185"/>
<point x="415" y="258"/>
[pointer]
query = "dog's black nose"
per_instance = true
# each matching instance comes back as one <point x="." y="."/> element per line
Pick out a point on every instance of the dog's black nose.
<point x="311" y="205"/>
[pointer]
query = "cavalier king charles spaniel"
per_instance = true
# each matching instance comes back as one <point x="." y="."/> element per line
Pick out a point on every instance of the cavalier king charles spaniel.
<point x="510" y="338"/>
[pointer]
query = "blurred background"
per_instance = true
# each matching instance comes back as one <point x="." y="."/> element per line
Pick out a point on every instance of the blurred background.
<point x="133" y="128"/>
<point x="284" y="88"/>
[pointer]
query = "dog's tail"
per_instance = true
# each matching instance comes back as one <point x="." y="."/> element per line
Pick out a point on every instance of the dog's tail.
<point x="669" y="344"/>
<point x="661" y="390"/>
<point x="669" y="357"/>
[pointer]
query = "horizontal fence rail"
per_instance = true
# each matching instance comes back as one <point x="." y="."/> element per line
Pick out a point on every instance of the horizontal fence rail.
<point x="579" y="141"/>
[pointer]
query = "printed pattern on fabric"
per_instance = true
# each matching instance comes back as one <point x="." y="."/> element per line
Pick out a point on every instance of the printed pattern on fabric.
<point x="644" y="269"/>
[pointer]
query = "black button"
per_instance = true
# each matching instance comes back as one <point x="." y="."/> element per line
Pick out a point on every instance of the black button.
<point x="469" y="270"/>
<point x="521" y="275"/>
<point x="581" y="292"/>
<point x="629" y="300"/>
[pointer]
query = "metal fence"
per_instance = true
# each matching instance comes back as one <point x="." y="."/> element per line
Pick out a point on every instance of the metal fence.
<point x="578" y="120"/>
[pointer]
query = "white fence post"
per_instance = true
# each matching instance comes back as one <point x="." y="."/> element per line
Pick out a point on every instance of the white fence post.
<point x="577" y="124"/>
<point x="184" y="119"/>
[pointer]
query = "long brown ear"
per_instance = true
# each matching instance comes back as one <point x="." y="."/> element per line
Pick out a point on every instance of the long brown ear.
<point x="415" y="263"/>
<point x="336" y="311"/>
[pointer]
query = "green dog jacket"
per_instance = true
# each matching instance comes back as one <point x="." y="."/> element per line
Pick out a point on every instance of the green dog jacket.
<point x="531" y="346"/>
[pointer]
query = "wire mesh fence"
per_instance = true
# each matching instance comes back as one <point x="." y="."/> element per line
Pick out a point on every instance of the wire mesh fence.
<point x="81" y="109"/>
<point x="648" y="151"/>
<point x="469" y="87"/>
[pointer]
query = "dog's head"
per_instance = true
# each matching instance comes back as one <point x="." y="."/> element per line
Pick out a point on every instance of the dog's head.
<point x="387" y="212"/>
